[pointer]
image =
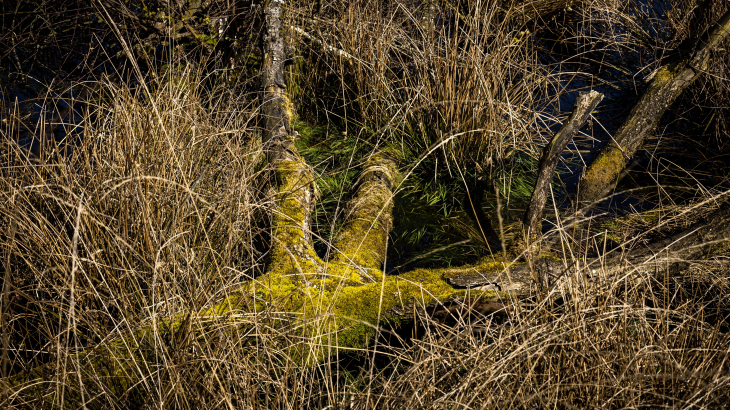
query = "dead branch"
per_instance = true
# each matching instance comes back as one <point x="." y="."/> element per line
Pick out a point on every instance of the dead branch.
<point x="339" y="52"/>
<point x="584" y="104"/>
<point x="702" y="240"/>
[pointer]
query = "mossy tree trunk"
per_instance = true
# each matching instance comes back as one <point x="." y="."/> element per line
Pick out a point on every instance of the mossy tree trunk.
<point x="666" y="85"/>
<point x="351" y="287"/>
<point x="333" y="303"/>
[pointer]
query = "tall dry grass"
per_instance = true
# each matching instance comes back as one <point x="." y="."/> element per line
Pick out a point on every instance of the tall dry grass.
<point x="416" y="75"/>
<point x="155" y="205"/>
<point x="149" y="207"/>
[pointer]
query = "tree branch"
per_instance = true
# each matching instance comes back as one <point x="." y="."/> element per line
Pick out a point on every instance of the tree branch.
<point x="363" y="238"/>
<point x="584" y="105"/>
<point x="342" y="53"/>
<point x="666" y="85"/>
<point x="704" y="239"/>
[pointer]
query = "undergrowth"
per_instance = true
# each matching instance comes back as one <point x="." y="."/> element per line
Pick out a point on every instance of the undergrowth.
<point x="153" y="206"/>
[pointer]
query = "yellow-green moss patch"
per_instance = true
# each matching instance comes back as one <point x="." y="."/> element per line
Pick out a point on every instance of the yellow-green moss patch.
<point x="602" y="173"/>
<point x="348" y="314"/>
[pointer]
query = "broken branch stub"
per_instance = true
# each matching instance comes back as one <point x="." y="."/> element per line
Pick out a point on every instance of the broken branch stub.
<point x="666" y="85"/>
<point x="584" y="105"/>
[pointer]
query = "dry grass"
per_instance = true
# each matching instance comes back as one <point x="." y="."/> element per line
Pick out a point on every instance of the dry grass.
<point x="155" y="207"/>
<point x="416" y="78"/>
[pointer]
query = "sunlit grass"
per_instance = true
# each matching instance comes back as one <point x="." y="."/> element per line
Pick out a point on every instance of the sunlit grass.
<point x="159" y="208"/>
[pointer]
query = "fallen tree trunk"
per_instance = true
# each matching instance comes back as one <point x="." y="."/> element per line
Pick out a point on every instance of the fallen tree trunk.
<point x="334" y="303"/>
<point x="667" y="83"/>
<point x="707" y="238"/>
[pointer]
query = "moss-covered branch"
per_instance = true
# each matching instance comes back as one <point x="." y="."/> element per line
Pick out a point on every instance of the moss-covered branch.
<point x="291" y="248"/>
<point x="363" y="239"/>
<point x="668" y="82"/>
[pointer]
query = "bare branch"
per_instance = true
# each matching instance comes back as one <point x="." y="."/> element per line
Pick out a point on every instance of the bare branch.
<point x="704" y="239"/>
<point x="331" y="49"/>
<point x="584" y="104"/>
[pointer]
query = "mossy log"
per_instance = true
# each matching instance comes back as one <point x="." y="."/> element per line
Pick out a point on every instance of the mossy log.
<point x="352" y="286"/>
<point x="332" y="304"/>
<point x="666" y="85"/>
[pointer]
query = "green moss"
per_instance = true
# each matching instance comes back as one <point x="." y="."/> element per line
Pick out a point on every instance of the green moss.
<point x="227" y="306"/>
<point x="611" y="163"/>
<point x="346" y="316"/>
<point x="340" y="303"/>
<point x="485" y="265"/>
<point x="602" y="173"/>
<point x="663" y="75"/>
<point x="363" y="239"/>
<point x="668" y="72"/>
<point x="290" y="248"/>
<point x="335" y="309"/>
<point x="288" y="108"/>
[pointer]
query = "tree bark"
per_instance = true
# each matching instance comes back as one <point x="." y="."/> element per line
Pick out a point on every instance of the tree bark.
<point x="704" y="239"/>
<point x="666" y="85"/>
<point x="584" y="105"/>
<point x="276" y="108"/>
